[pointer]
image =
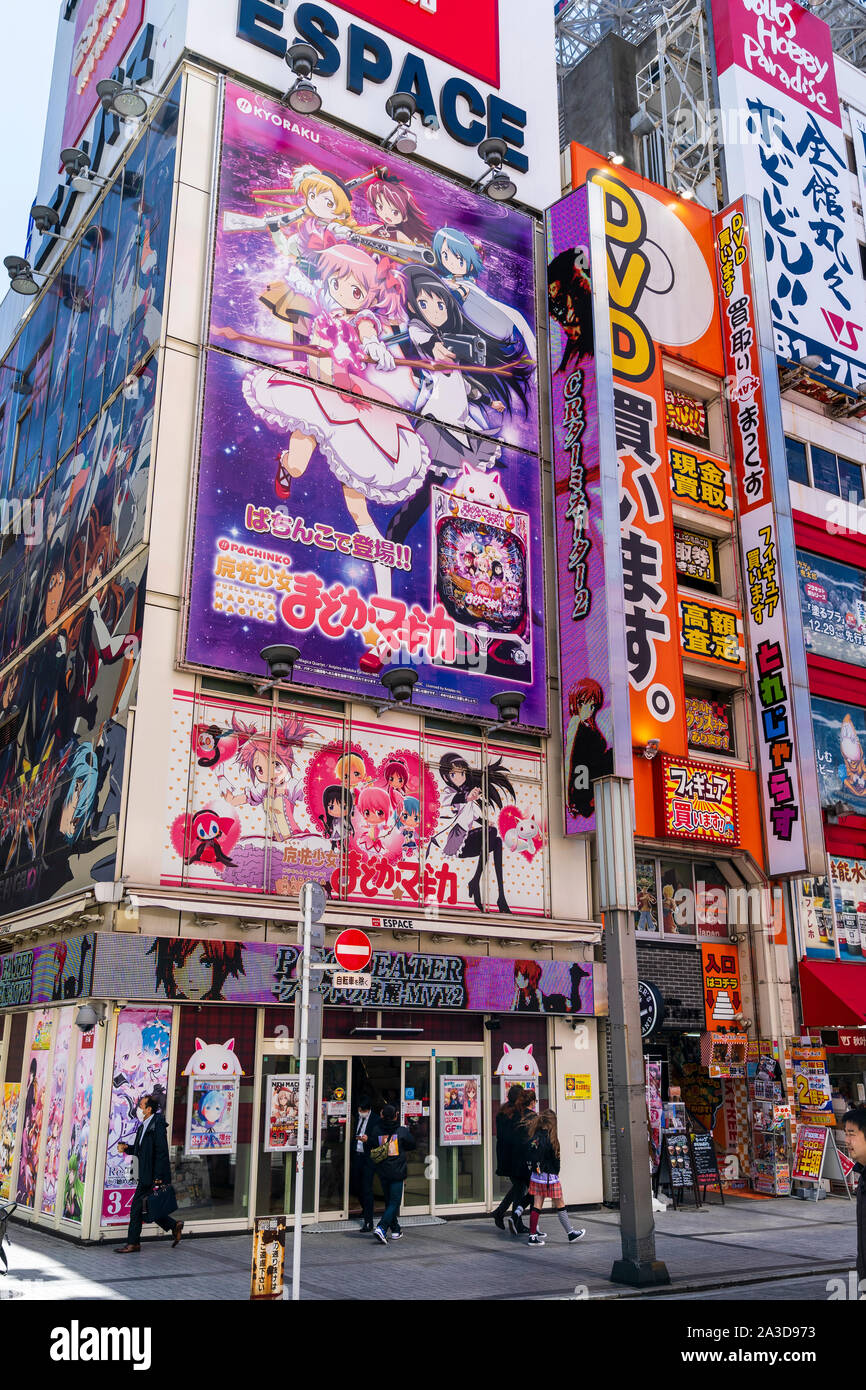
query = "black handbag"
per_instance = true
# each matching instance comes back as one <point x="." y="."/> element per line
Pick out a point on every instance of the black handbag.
<point x="161" y="1202"/>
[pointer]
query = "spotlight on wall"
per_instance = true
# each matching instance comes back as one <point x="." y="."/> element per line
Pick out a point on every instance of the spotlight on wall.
<point x="795" y="372"/>
<point x="401" y="107"/>
<point x="22" y="276"/>
<point x="507" y="705"/>
<point x="126" y="102"/>
<point x="304" y="96"/>
<point x="652" y="747"/>
<point x="686" y="193"/>
<point x="47" y="222"/>
<point x="76" y="163"/>
<point x="496" y="183"/>
<point x="614" y="158"/>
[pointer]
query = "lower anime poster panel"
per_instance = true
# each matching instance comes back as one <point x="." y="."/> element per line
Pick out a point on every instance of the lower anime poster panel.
<point x="61" y="776"/>
<point x="8" y="1131"/>
<point x="459" y="1121"/>
<point x="79" y="1130"/>
<point x="263" y="803"/>
<point x="283" y="1097"/>
<point x="33" y="1117"/>
<point x="211" y="1116"/>
<point x="368" y="538"/>
<point x="140" y="1068"/>
<point x="56" y="1110"/>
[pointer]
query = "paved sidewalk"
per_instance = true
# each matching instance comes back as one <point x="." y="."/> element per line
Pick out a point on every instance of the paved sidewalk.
<point x="715" y="1247"/>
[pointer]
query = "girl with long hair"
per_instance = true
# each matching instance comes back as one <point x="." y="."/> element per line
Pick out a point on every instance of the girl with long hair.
<point x="374" y="453"/>
<point x="470" y="835"/>
<point x="396" y="775"/>
<point x="398" y="216"/>
<point x="374" y="814"/>
<point x="333" y="817"/>
<point x="319" y="208"/>
<point x="590" y="756"/>
<point x="544" y="1161"/>
<point x="269" y="767"/>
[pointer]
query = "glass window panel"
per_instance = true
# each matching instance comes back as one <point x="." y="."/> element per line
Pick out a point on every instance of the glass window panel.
<point x="133" y="463"/>
<point x="646" y="919"/>
<point x="459" y="1167"/>
<point x="130" y="235"/>
<point x="675" y="874"/>
<point x="156" y="223"/>
<point x="276" y="1177"/>
<point x="825" y="470"/>
<point x="850" y="480"/>
<point x="74" y="349"/>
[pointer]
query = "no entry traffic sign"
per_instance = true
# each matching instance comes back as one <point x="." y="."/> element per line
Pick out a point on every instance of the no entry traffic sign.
<point x="353" y="950"/>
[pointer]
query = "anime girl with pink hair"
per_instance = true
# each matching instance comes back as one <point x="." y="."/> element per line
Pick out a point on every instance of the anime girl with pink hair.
<point x="373" y="452"/>
<point x="269" y="766"/>
<point x="373" y="814"/>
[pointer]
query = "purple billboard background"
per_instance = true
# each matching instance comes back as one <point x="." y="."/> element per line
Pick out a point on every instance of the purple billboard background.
<point x="371" y="513"/>
<point x="583" y="636"/>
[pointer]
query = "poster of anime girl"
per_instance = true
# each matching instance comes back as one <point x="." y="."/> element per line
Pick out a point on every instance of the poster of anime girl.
<point x="459" y="1110"/>
<point x="140" y="1067"/>
<point x="8" y="1131"/>
<point x="211" y="1115"/>
<point x="56" y="1109"/>
<point x="281" y="1129"/>
<point x="380" y="323"/>
<point x="33" y="1116"/>
<point x="79" y="1130"/>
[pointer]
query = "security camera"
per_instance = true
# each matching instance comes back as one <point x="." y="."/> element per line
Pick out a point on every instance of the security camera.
<point x="280" y="661"/>
<point x="89" y="1015"/>
<point x="507" y="705"/>
<point x="399" y="682"/>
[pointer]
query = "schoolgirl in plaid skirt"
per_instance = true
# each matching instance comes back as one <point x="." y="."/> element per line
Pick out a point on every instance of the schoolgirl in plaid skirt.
<point x="544" y="1180"/>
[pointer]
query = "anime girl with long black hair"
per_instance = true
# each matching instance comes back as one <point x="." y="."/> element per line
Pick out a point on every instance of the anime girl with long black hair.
<point x="462" y="410"/>
<point x="470" y="805"/>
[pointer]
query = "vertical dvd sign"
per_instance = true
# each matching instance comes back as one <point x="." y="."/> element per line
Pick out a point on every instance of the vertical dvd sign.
<point x="593" y="675"/>
<point x="775" y="657"/>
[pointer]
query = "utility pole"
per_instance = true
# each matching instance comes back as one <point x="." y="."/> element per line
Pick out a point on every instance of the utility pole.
<point x="313" y="905"/>
<point x="618" y="901"/>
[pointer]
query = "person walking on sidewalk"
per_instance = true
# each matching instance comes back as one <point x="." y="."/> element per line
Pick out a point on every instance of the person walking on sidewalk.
<point x="506" y="1123"/>
<point x="150" y="1147"/>
<point x="392" y="1168"/>
<point x="544" y="1177"/>
<point x="855" y="1133"/>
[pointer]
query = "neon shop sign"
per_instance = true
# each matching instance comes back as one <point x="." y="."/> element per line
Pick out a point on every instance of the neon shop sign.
<point x="459" y="106"/>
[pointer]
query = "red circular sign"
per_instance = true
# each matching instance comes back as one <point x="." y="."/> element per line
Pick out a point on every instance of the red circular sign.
<point x="353" y="949"/>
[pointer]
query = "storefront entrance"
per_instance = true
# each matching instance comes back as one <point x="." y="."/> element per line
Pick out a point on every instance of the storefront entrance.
<point x="409" y="1077"/>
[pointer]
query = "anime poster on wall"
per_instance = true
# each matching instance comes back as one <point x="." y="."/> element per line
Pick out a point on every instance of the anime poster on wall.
<point x="281" y="1133"/>
<point x="33" y="1114"/>
<point x="8" y="1131"/>
<point x="840" y="745"/>
<point x="79" y="1130"/>
<point x="141" y="1050"/>
<point x="382" y="393"/>
<point x="211" y="1116"/>
<point x="264" y="803"/>
<point x="56" y="1111"/>
<point x="459" y="1110"/>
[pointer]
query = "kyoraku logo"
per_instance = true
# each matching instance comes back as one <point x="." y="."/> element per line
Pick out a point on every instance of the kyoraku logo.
<point x="77" y="1343"/>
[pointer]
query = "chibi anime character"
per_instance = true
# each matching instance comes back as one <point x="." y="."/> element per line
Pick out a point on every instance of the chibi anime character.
<point x="206" y="829"/>
<point x="176" y="955"/>
<point x="351" y="773"/>
<point x="527" y="996"/>
<point x="469" y="835"/>
<point x="853" y="771"/>
<point x="590" y="757"/>
<point x="409" y="821"/>
<point x="374" y="454"/>
<point x="213" y="744"/>
<point x="470" y="1108"/>
<point x="373" y="813"/>
<point x="333" y="818"/>
<point x="396" y="775"/>
<point x="214" y="1059"/>
<point x="569" y="295"/>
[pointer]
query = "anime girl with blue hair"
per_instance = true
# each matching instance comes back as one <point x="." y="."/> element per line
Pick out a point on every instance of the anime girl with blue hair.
<point x="83" y="774"/>
<point x="460" y="263"/>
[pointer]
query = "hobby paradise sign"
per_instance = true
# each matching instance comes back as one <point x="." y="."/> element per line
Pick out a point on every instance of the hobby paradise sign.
<point x="372" y="364"/>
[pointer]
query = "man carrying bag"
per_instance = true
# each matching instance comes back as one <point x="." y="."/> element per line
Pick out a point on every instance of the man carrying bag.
<point x="154" y="1178"/>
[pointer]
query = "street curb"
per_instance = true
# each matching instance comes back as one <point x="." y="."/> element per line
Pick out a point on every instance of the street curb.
<point x="732" y="1281"/>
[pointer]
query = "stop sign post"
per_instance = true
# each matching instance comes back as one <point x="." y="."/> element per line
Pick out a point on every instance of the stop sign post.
<point x="353" y="950"/>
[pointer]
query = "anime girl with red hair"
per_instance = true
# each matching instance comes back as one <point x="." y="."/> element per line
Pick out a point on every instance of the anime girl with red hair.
<point x="527" y="975"/>
<point x="590" y="757"/>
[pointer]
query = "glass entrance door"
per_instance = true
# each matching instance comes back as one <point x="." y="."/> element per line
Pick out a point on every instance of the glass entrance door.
<point x="415" y="1115"/>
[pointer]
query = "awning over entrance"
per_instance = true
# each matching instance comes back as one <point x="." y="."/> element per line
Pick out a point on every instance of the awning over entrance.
<point x="833" y="993"/>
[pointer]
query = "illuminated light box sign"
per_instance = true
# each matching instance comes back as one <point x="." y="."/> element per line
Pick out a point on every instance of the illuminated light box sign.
<point x="465" y="36"/>
<point x="697" y="801"/>
<point x="382" y="394"/>
<point x="700" y="480"/>
<point x="776" y="73"/>
<point x="711" y="632"/>
<point x="104" y="30"/>
<point x="240" y="972"/>
<point x="686" y="418"/>
<point x="723" y="998"/>
<point x="695" y="556"/>
<point x="708" y="723"/>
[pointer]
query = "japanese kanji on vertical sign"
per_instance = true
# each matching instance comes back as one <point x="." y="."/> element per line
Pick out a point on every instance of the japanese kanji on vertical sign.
<point x="723" y="999"/>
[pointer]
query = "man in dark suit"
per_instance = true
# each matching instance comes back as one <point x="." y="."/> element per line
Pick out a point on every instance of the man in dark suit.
<point x="855" y="1133"/>
<point x="361" y="1170"/>
<point x="150" y="1147"/>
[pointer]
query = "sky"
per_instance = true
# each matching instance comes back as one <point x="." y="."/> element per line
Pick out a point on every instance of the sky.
<point x="26" y="58"/>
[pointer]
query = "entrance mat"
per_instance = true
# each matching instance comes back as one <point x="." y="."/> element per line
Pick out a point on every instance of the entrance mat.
<point x="324" y="1228"/>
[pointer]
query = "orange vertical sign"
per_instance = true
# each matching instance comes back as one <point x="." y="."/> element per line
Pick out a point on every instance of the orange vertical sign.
<point x="723" y="999"/>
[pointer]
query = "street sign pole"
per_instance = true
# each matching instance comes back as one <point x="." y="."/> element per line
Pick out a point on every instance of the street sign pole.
<point x="302" y="1090"/>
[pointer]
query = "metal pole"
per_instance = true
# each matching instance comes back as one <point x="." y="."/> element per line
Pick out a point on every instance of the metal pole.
<point x="638" y="1265"/>
<point x="302" y="1095"/>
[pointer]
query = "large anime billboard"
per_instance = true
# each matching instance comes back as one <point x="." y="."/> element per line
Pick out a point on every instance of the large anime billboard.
<point x="369" y="486"/>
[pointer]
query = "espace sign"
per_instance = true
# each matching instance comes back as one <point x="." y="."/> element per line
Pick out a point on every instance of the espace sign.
<point x="475" y="67"/>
